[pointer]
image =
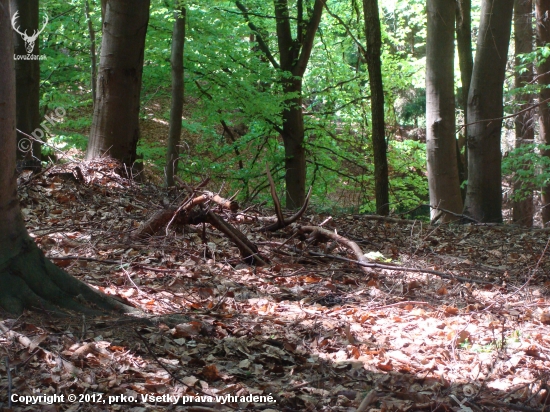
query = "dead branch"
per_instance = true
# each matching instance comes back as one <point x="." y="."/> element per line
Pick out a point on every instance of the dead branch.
<point x="351" y="245"/>
<point x="225" y="203"/>
<point x="165" y="217"/>
<point x="404" y="269"/>
<point x="249" y="251"/>
<point x="281" y="221"/>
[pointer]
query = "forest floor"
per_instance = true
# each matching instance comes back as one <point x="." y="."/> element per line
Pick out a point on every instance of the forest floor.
<point x="305" y="333"/>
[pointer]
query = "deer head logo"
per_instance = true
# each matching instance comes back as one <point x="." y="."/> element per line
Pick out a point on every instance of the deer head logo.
<point x="29" y="40"/>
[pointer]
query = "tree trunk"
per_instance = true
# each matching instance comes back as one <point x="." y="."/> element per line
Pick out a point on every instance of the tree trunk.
<point x="484" y="193"/>
<point x="115" y="126"/>
<point x="374" y="64"/>
<point x="27" y="77"/>
<point x="293" y="139"/>
<point x="294" y="56"/>
<point x="466" y="63"/>
<point x="27" y="278"/>
<point x="443" y="178"/>
<point x="176" y="109"/>
<point x="523" y="210"/>
<point x="93" y="58"/>
<point x="542" y="12"/>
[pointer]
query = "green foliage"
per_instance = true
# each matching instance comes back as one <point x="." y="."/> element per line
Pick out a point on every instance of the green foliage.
<point x="228" y="79"/>
<point x="525" y="163"/>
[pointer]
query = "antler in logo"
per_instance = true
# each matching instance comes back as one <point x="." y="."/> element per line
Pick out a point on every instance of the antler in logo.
<point x="29" y="40"/>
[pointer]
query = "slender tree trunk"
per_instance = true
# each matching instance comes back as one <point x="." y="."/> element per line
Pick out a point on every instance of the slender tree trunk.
<point x="523" y="210"/>
<point x="294" y="55"/>
<point x="542" y="11"/>
<point x="27" y="74"/>
<point x="176" y="109"/>
<point x="115" y="126"/>
<point x="374" y="64"/>
<point x="293" y="139"/>
<point x="484" y="193"/>
<point x="440" y="110"/>
<point x="93" y="58"/>
<point x="466" y="63"/>
<point x="27" y="278"/>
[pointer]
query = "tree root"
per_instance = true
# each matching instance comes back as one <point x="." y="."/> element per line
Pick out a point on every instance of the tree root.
<point x="30" y="281"/>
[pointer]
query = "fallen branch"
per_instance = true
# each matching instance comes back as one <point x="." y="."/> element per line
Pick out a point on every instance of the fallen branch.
<point x="281" y="221"/>
<point x="249" y="251"/>
<point x="318" y="232"/>
<point x="403" y="269"/>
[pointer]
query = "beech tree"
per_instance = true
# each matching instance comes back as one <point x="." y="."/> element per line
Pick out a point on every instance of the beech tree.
<point x="542" y="12"/>
<point x="484" y="193"/>
<point x="374" y="65"/>
<point x="115" y="126"/>
<point x="176" y="108"/>
<point x="24" y="15"/>
<point x="443" y="178"/>
<point x="27" y="278"/>
<point x="294" y="53"/>
<point x="523" y="210"/>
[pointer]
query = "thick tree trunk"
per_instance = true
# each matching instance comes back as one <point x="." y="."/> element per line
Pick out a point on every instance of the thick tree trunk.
<point x="484" y="193"/>
<point x="27" y="278"/>
<point x="542" y="12"/>
<point x="115" y="127"/>
<point x="176" y="109"/>
<point x="27" y="75"/>
<point x="443" y="178"/>
<point x="523" y="210"/>
<point x="374" y="64"/>
<point x="466" y="63"/>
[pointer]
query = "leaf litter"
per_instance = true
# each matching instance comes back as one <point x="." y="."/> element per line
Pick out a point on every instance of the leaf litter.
<point x="314" y="333"/>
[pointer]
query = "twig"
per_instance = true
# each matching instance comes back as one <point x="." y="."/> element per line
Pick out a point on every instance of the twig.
<point x="407" y="302"/>
<point x="404" y="269"/>
<point x="367" y="401"/>
<point x="505" y="117"/>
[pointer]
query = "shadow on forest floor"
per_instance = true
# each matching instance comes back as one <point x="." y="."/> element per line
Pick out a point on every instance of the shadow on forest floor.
<point x="315" y="334"/>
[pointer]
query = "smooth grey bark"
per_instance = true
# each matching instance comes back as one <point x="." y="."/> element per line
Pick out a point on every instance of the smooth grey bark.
<point x="523" y="210"/>
<point x="374" y="65"/>
<point x="485" y="106"/>
<point x="27" y="279"/>
<point x="115" y="126"/>
<point x="441" y="145"/>
<point x="176" y="108"/>
<point x="27" y="78"/>
<point x="542" y="13"/>
<point x="93" y="56"/>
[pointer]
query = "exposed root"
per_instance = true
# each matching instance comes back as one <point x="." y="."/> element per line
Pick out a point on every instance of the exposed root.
<point x="30" y="281"/>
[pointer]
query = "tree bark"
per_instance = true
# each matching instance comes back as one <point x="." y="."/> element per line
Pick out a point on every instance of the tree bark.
<point x="176" y="109"/>
<point x="27" y="77"/>
<point x="115" y="126"/>
<point x="542" y="12"/>
<point x="294" y="56"/>
<point x="523" y="210"/>
<point x="374" y="65"/>
<point x="443" y="178"/>
<point x="27" y="278"/>
<point x="466" y="63"/>
<point x="484" y="193"/>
